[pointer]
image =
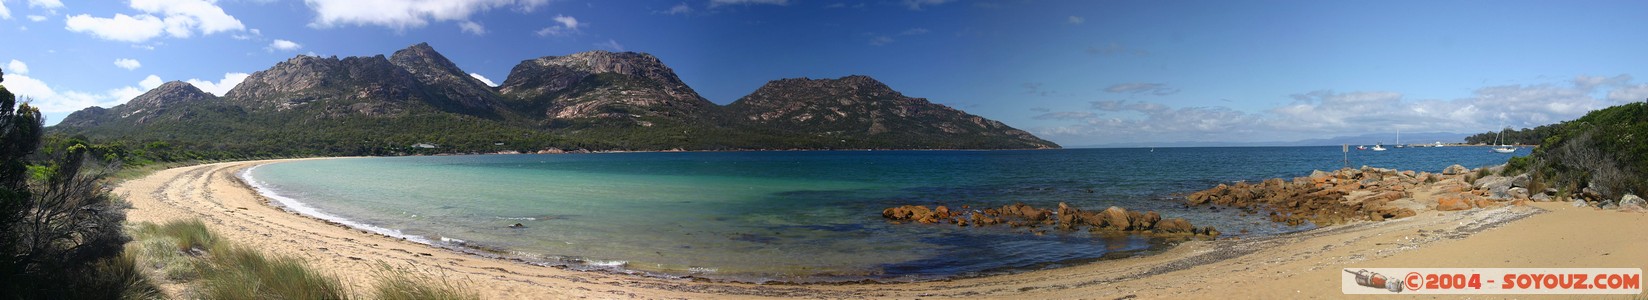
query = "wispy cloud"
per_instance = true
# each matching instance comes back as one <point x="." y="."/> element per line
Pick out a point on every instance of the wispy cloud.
<point x="679" y="9"/>
<point x="718" y="3"/>
<point x="610" y="44"/>
<point x="565" y="25"/>
<point x="1114" y="49"/>
<point x="472" y="27"/>
<point x="128" y="64"/>
<point x="1073" y="20"/>
<point x="920" y="4"/>
<point x="284" y="45"/>
<point x="1142" y="87"/>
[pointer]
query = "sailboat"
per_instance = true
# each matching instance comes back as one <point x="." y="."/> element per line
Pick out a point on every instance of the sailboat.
<point x="1502" y="148"/>
<point x="1399" y="144"/>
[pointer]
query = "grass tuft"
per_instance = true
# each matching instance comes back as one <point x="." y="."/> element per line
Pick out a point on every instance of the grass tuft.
<point x="406" y="283"/>
<point x="235" y="272"/>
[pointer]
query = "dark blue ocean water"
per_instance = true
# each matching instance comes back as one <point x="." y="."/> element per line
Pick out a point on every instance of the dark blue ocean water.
<point x="797" y="216"/>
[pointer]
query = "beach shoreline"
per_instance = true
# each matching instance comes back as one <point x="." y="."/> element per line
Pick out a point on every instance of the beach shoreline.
<point x="216" y="194"/>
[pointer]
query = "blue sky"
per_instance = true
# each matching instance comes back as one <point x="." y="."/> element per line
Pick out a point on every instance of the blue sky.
<point x="1075" y="72"/>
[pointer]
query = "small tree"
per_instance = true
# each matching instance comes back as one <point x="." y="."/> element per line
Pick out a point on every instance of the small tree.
<point x="53" y="229"/>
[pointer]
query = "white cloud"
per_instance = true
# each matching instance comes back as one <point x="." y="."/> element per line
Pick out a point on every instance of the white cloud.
<point x="128" y="64"/>
<point x="472" y="27"/>
<point x="1629" y="94"/>
<point x="222" y="86"/>
<point x="17" y="67"/>
<point x="679" y="9"/>
<point x="53" y="101"/>
<point x="483" y="79"/>
<point x="917" y="4"/>
<point x="37" y="18"/>
<point x="401" y="15"/>
<point x="718" y="3"/>
<point x="1075" y="20"/>
<point x="127" y="93"/>
<point x="1324" y="113"/>
<point x="150" y="82"/>
<point x="567" y="25"/>
<point x="119" y="28"/>
<point x="46" y="4"/>
<point x="611" y="44"/>
<point x="4" y="13"/>
<point x="176" y="18"/>
<point x="284" y="45"/>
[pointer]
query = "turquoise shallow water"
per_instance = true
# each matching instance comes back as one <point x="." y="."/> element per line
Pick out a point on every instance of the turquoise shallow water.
<point x="790" y="216"/>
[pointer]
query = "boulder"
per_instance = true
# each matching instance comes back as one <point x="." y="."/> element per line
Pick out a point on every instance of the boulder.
<point x="1540" y="197"/>
<point x="907" y="212"/>
<point x="1491" y="181"/>
<point x="1174" y="225"/>
<point x="1631" y="201"/>
<point x="1452" y="204"/>
<point x="1518" y="193"/>
<point x="1520" y="181"/>
<point x="1581" y="203"/>
<point x="1116" y="217"/>
<point x="1068" y="216"/>
<point x="1455" y="170"/>
<point x="1147" y="221"/>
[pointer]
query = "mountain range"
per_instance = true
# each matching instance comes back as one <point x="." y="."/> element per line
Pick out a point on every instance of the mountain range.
<point x="595" y="100"/>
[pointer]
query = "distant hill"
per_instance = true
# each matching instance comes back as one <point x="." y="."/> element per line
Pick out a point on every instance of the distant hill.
<point x="595" y="100"/>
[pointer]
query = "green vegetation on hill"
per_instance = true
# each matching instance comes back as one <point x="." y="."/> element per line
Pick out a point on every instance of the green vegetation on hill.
<point x="1525" y="136"/>
<point x="1604" y="152"/>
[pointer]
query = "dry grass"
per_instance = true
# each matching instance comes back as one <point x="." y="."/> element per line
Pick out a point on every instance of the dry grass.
<point x="188" y="252"/>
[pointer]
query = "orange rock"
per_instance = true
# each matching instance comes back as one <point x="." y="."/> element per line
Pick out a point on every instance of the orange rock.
<point x="1451" y="204"/>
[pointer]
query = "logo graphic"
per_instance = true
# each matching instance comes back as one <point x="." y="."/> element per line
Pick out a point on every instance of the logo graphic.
<point x="1376" y="280"/>
<point x="1492" y="281"/>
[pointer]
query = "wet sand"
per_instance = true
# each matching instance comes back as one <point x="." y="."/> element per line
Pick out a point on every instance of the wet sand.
<point x="1298" y="265"/>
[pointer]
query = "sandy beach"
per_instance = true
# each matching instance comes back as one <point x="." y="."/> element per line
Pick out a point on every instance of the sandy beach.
<point x="1299" y="265"/>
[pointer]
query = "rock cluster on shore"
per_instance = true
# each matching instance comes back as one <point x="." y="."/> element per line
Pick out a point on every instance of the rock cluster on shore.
<point x="1066" y="217"/>
<point x="1327" y="198"/>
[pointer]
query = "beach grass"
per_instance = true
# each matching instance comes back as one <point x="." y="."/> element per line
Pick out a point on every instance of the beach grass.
<point x="406" y="283"/>
<point x="235" y="272"/>
<point x="188" y="252"/>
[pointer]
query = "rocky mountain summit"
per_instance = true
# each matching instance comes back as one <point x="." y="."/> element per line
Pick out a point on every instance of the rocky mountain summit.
<point x="156" y="102"/>
<point x="862" y="106"/>
<point x="446" y="80"/>
<point x="596" y="100"/>
<point x="599" y="84"/>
